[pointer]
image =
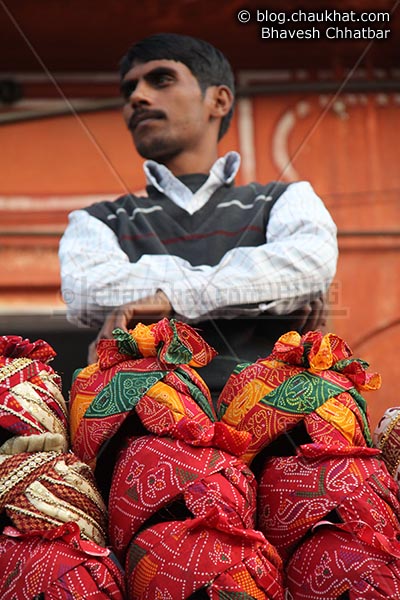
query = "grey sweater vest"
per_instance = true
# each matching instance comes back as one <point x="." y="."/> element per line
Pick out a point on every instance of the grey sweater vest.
<point x="232" y="217"/>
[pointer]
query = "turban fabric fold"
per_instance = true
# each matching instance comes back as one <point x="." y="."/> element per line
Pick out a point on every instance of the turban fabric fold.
<point x="311" y="380"/>
<point x="296" y="492"/>
<point x="57" y="546"/>
<point x="182" y="504"/>
<point x="150" y="366"/>
<point x="33" y="414"/>
<point x="339" y="559"/>
<point x="183" y="557"/>
<point x="153" y="472"/>
<point x="42" y="490"/>
<point x="58" y="565"/>
<point x="214" y="544"/>
<point x="182" y="513"/>
<point x="325" y="498"/>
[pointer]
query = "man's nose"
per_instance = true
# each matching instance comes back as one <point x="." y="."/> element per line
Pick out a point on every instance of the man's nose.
<point x="141" y="95"/>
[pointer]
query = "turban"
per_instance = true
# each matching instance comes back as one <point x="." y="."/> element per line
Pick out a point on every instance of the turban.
<point x="182" y="504"/>
<point x="387" y="438"/>
<point x="153" y="473"/>
<point x="191" y="555"/>
<point x="57" y="564"/>
<point x="350" y="560"/>
<point x="33" y="413"/>
<point x="149" y="366"/>
<point x="344" y="484"/>
<point x="42" y="490"/>
<point x="310" y="380"/>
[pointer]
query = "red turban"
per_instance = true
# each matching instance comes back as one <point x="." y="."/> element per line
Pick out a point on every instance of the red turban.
<point x="187" y="468"/>
<point x="296" y="492"/>
<point x="137" y="370"/>
<point x="153" y="472"/>
<point x="324" y="492"/>
<point x="339" y="559"/>
<point x="191" y="555"/>
<point x="216" y="546"/>
<point x="57" y="564"/>
<point x="32" y="409"/>
<point x="310" y="379"/>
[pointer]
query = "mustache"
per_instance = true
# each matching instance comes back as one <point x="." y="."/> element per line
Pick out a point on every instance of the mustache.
<point x="140" y="115"/>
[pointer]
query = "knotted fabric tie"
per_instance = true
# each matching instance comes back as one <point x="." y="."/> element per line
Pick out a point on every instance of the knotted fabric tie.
<point x="350" y="558"/>
<point x="154" y="472"/>
<point x="147" y="372"/>
<point x="190" y="555"/>
<point x="311" y="380"/>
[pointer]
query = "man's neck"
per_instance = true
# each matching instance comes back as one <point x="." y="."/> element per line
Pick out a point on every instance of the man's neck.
<point x="188" y="163"/>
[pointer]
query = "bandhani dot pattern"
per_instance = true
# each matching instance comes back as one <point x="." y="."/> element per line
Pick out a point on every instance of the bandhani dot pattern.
<point x="350" y="559"/>
<point x="182" y="504"/>
<point x="148" y="371"/>
<point x="325" y="498"/>
<point x="348" y="484"/>
<point x="177" y="559"/>
<point x="57" y="565"/>
<point x="187" y="515"/>
<point x="153" y="472"/>
<point x="312" y="380"/>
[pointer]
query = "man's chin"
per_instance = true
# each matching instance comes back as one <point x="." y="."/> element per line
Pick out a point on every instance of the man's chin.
<point x="153" y="150"/>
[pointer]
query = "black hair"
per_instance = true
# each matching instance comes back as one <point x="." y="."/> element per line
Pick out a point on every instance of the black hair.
<point x="207" y="63"/>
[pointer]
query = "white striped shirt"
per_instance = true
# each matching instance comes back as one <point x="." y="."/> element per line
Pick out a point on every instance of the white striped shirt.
<point x="297" y="261"/>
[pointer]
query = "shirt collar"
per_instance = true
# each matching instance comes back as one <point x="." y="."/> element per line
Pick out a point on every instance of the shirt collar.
<point x="222" y="173"/>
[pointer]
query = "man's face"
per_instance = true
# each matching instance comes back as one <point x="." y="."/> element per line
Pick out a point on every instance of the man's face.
<point x="165" y="109"/>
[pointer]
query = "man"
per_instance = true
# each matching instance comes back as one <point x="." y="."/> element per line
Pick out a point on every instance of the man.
<point x="235" y="261"/>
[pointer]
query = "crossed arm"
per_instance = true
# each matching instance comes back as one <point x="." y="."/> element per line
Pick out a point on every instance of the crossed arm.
<point x="290" y="272"/>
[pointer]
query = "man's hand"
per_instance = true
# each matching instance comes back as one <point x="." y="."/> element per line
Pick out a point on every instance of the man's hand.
<point x="146" y="310"/>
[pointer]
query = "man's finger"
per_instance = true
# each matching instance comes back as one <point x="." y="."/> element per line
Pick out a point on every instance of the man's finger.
<point x="127" y="316"/>
<point x="314" y="316"/>
<point x="301" y="317"/>
<point x="110" y="323"/>
<point x="123" y="316"/>
<point x="317" y="318"/>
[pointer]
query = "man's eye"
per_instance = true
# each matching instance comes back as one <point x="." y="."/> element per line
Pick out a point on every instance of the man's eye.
<point x="163" y="80"/>
<point x="127" y="88"/>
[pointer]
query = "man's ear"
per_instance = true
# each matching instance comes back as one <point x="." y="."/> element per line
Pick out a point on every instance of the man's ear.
<point x="221" y="100"/>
